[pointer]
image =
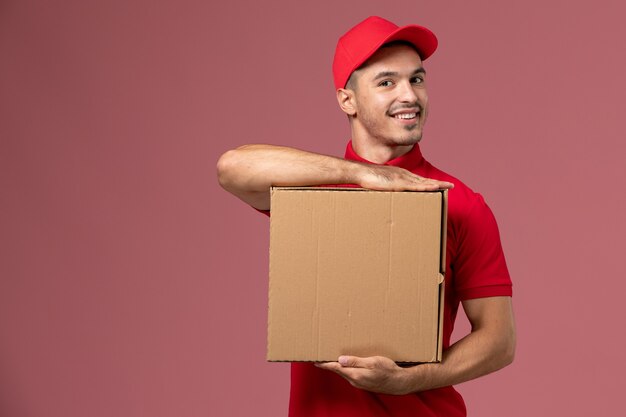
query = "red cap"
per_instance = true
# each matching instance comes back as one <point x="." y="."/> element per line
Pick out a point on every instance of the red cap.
<point x="360" y="43"/>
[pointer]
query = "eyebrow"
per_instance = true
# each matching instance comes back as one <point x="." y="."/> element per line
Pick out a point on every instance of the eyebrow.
<point x="384" y="74"/>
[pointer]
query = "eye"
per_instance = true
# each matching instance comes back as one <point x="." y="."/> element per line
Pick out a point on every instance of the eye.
<point x="386" y="83"/>
<point x="417" y="80"/>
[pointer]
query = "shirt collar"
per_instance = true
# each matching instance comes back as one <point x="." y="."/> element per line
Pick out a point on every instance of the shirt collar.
<point x="410" y="160"/>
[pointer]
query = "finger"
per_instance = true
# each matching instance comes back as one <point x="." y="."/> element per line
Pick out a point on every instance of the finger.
<point x="351" y="374"/>
<point x="441" y="184"/>
<point x="434" y="184"/>
<point x="424" y="186"/>
<point x="350" y="361"/>
<point x="329" y="366"/>
<point x="446" y="185"/>
<point x="346" y="372"/>
<point x="354" y="361"/>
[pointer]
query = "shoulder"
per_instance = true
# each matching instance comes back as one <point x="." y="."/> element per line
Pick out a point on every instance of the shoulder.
<point x="463" y="201"/>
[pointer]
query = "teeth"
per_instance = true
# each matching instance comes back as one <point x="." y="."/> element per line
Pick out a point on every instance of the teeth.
<point x="405" y="116"/>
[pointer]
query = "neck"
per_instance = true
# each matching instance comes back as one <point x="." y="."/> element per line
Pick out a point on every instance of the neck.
<point x="374" y="151"/>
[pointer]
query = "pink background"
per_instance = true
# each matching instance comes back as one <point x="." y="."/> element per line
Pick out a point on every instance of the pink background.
<point x="132" y="285"/>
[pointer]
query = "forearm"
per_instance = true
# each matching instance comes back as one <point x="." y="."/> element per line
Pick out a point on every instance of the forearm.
<point x="489" y="347"/>
<point x="477" y="354"/>
<point x="257" y="167"/>
<point x="249" y="171"/>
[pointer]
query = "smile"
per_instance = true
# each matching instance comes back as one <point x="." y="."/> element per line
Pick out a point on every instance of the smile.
<point x="406" y="116"/>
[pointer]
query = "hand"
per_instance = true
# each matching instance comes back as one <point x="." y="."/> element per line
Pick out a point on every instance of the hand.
<point x="391" y="178"/>
<point x="376" y="374"/>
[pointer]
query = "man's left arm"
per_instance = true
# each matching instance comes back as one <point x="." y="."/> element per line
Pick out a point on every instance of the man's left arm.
<point x="488" y="347"/>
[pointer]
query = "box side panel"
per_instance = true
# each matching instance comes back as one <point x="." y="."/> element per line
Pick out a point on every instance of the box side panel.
<point x="444" y="230"/>
<point x="442" y="294"/>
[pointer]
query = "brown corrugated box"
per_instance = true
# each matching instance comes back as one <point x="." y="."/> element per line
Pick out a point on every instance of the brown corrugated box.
<point x="356" y="272"/>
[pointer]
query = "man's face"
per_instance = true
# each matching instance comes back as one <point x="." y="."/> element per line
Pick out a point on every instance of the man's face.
<point x="390" y="98"/>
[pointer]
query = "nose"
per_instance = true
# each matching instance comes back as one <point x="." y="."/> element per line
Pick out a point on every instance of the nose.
<point x="407" y="92"/>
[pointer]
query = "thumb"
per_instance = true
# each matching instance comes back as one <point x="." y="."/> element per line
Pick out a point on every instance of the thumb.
<point x="350" y="361"/>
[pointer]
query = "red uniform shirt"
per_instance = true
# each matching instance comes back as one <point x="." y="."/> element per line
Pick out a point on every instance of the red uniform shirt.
<point x="475" y="268"/>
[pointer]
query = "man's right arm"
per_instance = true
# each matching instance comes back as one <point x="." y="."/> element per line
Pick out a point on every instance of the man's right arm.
<point x="249" y="171"/>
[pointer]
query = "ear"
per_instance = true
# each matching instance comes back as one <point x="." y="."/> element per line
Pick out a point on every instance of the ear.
<point x="347" y="101"/>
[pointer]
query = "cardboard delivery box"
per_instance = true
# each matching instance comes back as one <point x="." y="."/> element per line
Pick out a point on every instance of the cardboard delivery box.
<point x="356" y="272"/>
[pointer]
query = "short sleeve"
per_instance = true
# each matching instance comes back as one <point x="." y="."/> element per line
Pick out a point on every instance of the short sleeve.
<point x="479" y="266"/>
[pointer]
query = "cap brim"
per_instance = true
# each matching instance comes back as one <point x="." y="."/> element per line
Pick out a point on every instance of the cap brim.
<point x="424" y="41"/>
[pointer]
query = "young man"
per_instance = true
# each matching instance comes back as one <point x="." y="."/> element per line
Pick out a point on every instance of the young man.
<point x="380" y="84"/>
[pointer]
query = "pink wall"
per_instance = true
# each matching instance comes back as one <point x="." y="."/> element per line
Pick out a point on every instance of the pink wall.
<point x="131" y="285"/>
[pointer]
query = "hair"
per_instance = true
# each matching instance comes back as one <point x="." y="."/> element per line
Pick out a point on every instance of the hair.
<point x="351" y="84"/>
<point x="401" y="42"/>
<point x="352" y="80"/>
